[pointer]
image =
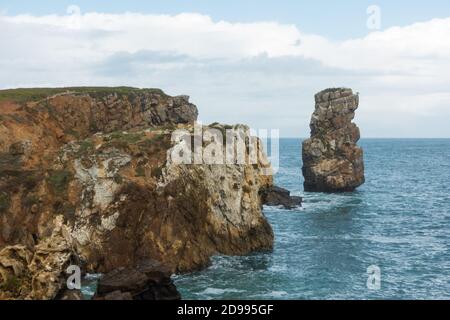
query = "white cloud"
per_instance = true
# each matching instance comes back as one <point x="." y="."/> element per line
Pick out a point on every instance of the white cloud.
<point x="262" y="73"/>
<point x="192" y="34"/>
<point x="413" y="49"/>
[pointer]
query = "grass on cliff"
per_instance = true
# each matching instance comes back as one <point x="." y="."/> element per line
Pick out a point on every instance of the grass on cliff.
<point x="4" y="202"/>
<point x="140" y="172"/>
<point x="126" y="137"/>
<point x="36" y="94"/>
<point x="85" y="146"/>
<point x="59" y="179"/>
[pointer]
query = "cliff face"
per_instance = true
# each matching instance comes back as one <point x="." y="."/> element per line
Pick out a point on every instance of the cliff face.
<point x="332" y="162"/>
<point x="89" y="170"/>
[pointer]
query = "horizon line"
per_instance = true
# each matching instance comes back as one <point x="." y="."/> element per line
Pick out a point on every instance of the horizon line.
<point x="381" y="138"/>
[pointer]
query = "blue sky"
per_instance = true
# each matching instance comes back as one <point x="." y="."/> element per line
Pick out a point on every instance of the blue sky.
<point x="255" y="62"/>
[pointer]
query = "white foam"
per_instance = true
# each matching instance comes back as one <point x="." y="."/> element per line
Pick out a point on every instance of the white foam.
<point x="92" y="276"/>
<point x="217" y="291"/>
<point x="277" y="294"/>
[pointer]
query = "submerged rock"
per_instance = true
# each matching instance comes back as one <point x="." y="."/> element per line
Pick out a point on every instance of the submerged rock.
<point x="146" y="281"/>
<point x="332" y="162"/>
<point x="274" y="196"/>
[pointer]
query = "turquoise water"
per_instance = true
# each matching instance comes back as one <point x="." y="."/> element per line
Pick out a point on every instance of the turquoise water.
<point x="399" y="220"/>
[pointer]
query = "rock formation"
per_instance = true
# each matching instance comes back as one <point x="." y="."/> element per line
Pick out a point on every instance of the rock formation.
<point x="92" y="162"/>
<point x="332" y="162"/>
<point x="37" y="272"/>
<point x="274" y="196"/>
<point x="148" y="280"/>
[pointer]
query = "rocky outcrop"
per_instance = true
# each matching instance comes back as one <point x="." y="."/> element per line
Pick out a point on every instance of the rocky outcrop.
<point x="274" y="196"/>
<point x="332" y="162"/>
<point x="39" y="272"/>
<point x="27" y="125"/>
<point x="148" y="280"/>
<point x="129" y="203"/>
<point x="95" y="164"/>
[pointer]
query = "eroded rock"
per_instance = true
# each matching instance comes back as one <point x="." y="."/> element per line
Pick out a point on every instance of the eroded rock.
<point x="332" y="161"/>
<point x="99" y="170"/>
<point x="131" y="202"/>
<point x="274" y="196"/>
<point x="146" y="281"/>
<point x="36" y="273"/>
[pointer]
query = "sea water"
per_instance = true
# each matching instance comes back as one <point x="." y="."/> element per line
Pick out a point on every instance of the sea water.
<point x="398" y="221"/>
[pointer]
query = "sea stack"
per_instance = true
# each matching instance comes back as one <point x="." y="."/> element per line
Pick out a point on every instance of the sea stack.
<point x="332" y="161"/>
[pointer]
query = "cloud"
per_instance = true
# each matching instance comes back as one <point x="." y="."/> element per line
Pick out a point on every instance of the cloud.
<point x="261" y="73"/>
<point x="413" y="49"/>
<point x="192" y="34"/>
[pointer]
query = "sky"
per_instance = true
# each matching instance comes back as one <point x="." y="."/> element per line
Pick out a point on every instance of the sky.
<point x="245" y="61"/>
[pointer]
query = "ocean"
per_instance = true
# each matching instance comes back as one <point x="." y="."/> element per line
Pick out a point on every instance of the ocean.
<point x="398" y="221"/>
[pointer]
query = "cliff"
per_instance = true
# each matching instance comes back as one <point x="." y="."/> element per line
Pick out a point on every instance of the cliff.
<point x="87" y="170"/>
<point x="332" y="161"/>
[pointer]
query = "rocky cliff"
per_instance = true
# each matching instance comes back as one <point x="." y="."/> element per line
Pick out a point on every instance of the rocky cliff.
<point x="332" y="162"/>
<point x="87" y="170"/>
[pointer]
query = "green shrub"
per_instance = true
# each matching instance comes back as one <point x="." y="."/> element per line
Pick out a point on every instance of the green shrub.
<point x="156" y="143"/>
<point x="140" y="172"/>
<point x="59" y="179"/>
<point x="85" y="146"/>
<point x="125" y="137"/>
<point x="4" y="202"/>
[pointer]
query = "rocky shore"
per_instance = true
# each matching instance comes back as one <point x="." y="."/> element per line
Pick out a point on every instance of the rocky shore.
<point x="85" y="180"/>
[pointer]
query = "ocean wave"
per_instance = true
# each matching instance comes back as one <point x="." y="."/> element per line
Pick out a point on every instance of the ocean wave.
<point x="217" y="291"/>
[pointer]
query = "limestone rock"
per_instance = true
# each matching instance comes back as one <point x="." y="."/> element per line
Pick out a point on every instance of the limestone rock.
<point x="332" y="161"/>
<point x="36" y="273"/>
<point x="130" y="202"/>
<point x="86" y="176"/>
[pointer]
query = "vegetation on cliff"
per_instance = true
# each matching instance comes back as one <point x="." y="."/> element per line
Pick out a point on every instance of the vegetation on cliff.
<point x="35" y="94"/>
<point x="85" y="178"/>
